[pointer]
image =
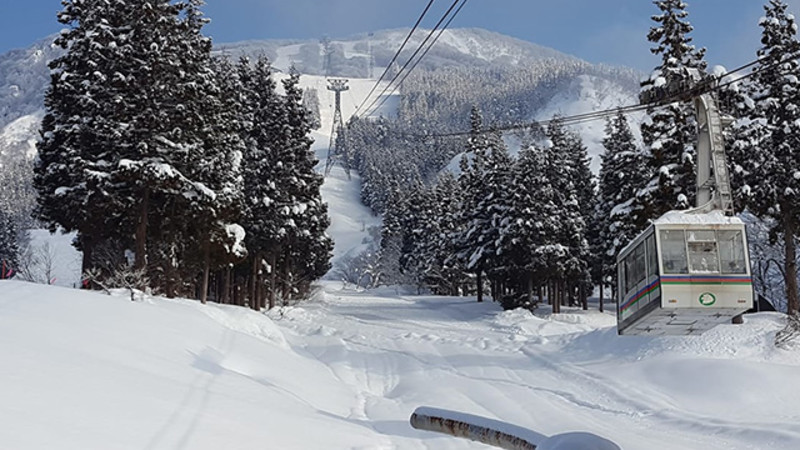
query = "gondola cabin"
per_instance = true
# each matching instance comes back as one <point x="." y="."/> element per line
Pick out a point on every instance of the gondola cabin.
<point x="684" y="275"/>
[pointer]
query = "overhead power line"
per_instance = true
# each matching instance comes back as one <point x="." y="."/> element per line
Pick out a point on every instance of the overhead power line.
<point x="386" y="97"/>
<point x="416" y="52"/>
<point x="396" y="55"/>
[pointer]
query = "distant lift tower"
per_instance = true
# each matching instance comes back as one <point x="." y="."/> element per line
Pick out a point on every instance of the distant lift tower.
<point x="337" y="152"/>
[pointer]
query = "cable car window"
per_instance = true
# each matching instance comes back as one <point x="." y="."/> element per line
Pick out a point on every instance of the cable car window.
<point x="731" y="251"/>
<point x="673" y="251"/>
<point x="635" y="268"/>
<point x="702" y="246"/>
<point x="652" y="258"/>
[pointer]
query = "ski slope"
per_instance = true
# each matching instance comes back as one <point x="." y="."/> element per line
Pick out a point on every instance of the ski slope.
<point x="350" y="220"/>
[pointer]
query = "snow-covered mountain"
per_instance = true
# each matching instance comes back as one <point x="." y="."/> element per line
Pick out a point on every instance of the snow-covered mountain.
<point x="18" y="138"/>
<point x="24" y="77"/>
<point x="24" y="74"/>
<point x="464" y="47"/>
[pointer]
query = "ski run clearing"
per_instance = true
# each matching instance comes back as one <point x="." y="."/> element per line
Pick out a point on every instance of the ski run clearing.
<point x="346" y="369"/>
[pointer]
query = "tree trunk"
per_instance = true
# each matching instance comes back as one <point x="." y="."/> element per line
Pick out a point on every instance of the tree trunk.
<point x="790" y="268"/>
<point x="254" y="281"/>
<point x="273" y="280"/>
<point x="206" y="270"/>
<point x="549" y="289"/>
<point x="584" y="298"/>
<point x="225" y="298"/>
<point x="479" y="281"/>
<point x="86" y="263"/>
<point x="237" y="291"/>
<point x="530" y="289"/>
<point x="556" y="301"/>
<point x="140" y="261"/>
<point x="601" y="296"/>
<point x="288" y="282"/>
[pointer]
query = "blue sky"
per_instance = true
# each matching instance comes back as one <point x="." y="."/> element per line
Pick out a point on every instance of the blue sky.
<point x="610" y="31"/>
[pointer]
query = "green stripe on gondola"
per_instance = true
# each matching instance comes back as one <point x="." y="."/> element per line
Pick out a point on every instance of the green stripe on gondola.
<point x="706" y="280"/>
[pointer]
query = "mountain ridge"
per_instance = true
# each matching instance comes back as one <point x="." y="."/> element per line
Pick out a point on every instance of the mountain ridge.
<point x="24" y="74"/>
<point x="458" y="46"/>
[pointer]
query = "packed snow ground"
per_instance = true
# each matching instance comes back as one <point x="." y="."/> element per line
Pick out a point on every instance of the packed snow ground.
<point x="346" y="369"/>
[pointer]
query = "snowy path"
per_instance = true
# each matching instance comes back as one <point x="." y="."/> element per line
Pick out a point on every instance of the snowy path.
<point x="545" y="374"/>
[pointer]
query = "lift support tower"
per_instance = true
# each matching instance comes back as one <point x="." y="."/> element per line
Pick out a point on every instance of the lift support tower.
<point x="337" y="151"/>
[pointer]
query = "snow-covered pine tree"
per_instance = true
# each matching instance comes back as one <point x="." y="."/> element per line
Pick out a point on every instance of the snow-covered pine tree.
<point x="416" y="222"/>
<point x="175" y="168"/>
<point x="585" y="191"/>
<point x="622" y="173"/>
<point x="85" y="128"/>
<point x="9" y="246"/>
<point x="444" y="274"/>
<point x="494" y="206"/>
<point x="569" y="253"/>
<point x="217" y="166"/>
<point x="308" y="251"/>
<point x="669" y="131"/>
<point x="392" y="230"/>
<point x="152" y="145"/>
<point x="767" y="151"/>
<point x="524" y="229"/>
<point x="311" y="103"/>
<point x="469" y="243"/>
<point x="265" y="213"/>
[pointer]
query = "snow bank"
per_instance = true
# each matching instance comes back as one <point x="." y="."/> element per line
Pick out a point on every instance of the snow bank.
<point x="85" y="370"/>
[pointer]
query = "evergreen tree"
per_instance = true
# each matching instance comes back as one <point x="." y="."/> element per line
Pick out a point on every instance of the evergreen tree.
<point x="85" y="127"/>
<point x="766" y="153"/>
<point x="214" y="231"/>
<point x="392" y="232"/>
<point x="622" y="173"/>
<point x="265" y="215"/>
<point x="443" y="273"/>
<point x="308" y="251"/>
<point x="470" y="244"/>
<point x="174" y="163"/>
<point x="416" y="224"/>
<point x="525" y="231"/>
<point x="311" y="103"/>
<point x="493" y="205"/>
<point x="568" y="253"/>
<point x="585" y="187"/>
<point x="669" y="132"/>
<point x="9" y="246"/>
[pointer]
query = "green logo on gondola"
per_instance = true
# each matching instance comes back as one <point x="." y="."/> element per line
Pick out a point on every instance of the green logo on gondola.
<point x="707" y="299"/>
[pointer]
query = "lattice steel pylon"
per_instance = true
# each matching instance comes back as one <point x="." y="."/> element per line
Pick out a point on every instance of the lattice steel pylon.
<point x="337" y="152"/>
